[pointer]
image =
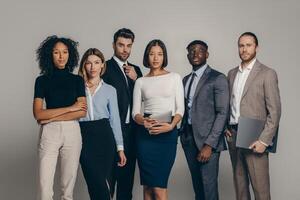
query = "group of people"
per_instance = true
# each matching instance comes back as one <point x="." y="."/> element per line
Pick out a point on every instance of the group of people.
<point x="109" y="116"/>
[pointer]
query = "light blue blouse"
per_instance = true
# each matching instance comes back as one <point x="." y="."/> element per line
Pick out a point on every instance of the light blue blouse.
<point x="104" y="104"/>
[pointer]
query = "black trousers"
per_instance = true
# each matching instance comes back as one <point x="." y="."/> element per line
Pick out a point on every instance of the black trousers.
<point x="123" y="177"/>
<point x="204" y="175"/>
<point x="97" y="157"/>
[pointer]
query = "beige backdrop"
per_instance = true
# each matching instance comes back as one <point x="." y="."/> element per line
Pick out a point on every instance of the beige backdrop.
<point x="25" y="24"/>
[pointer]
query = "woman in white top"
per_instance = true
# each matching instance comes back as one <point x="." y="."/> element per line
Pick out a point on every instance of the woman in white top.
<point x="162" y="94"/>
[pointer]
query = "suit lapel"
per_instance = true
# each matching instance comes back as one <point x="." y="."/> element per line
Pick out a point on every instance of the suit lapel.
<point x="118" y="70"/>
<point x="232" y="78"/>
<point x="202" y="80"/>
<point x="186" y="79"/>
<point x="256" y="68"/>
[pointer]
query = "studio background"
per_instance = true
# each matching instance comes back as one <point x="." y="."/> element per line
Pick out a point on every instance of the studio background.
<point x="25" y="24"/>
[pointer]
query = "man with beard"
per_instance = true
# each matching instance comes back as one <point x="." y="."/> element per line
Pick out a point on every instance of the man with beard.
<point x="122" y="75"/>
<point x="206" y="111"/>
<point x="254" y="94"/>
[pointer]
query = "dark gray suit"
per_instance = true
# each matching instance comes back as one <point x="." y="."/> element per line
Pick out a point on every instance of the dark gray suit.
<point x="209" y="114"/>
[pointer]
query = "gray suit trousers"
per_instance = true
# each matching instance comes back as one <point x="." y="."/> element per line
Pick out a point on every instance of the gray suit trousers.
<point x="204" y="175"/>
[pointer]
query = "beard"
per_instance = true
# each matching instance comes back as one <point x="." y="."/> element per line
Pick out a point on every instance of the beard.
<point x="122" y="57"/>
<point x="248" y="57"/>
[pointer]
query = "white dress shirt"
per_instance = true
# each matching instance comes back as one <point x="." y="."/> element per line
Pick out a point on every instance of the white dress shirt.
<point x="121" y="64"/>
<point x="198" y="75"/>
<point x="237" y="91"/>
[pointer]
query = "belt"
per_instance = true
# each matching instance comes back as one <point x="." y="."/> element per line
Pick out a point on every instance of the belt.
<point x="233" y="126"/>
<point x="127" y="125"/>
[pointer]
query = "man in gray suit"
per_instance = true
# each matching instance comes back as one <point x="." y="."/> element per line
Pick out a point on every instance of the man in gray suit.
<point x="254" y="94"/>
<point x="206" y="111"/>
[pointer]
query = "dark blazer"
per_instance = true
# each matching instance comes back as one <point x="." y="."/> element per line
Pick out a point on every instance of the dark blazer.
<point x="210" y="109"/>
<point x="114" y="76"/>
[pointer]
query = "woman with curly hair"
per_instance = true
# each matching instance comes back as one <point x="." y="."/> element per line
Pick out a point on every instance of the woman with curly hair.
<point x="101" y="128"/>
<point x="64" y="95"/>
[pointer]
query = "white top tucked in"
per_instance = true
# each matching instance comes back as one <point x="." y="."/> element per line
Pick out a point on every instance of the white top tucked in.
<point x="160" y="94"/>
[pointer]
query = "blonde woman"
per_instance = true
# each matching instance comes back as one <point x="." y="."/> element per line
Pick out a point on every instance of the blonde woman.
<point x="101" y="128"/>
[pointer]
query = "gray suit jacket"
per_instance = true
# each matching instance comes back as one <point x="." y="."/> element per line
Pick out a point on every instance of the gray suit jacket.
<point x="260" y="99"/>
<point x="209" y="109"/>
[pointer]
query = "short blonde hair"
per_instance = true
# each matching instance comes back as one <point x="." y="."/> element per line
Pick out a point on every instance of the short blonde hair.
<point x="91" y="51"/>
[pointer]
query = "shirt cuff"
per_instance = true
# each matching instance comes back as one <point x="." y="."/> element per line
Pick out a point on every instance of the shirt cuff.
<point x="120" y="148"/>
<point x="263" y="143"/>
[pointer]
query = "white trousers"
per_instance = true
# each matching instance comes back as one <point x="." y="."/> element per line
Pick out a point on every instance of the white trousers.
<point x="58" y="140"/>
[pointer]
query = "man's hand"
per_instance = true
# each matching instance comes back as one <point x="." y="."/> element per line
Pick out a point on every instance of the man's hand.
<point x="205" y="153"/>
<point x="258" y="147"/>
<point x="130" y="72"/>
<point x="228" y="133"/>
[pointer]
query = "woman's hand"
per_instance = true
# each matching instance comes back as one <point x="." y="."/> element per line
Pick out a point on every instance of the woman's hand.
<point x="148" y="122"/>
<point x="123" y="159"/>
<point x="159" y="128"/>
<point x="78" y="105"/>
<point x="45" y="121"/>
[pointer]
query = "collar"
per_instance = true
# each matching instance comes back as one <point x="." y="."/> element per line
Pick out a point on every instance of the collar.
<point x="200" y="71"/>
<point x="60" y="71"/>
<point x="96" y="90"/>
<point x="120" y="62"/>
<point x="249" y="66"/>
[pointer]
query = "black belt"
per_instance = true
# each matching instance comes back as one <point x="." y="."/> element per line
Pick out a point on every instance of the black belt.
<point x="233" y="126"/>
<point x="127" y="125"/>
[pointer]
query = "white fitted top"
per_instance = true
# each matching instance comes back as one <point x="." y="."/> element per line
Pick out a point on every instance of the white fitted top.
<point x="160" y="94"/>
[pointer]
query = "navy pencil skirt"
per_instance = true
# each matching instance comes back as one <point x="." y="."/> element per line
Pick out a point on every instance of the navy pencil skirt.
<point x="155" y="155"/>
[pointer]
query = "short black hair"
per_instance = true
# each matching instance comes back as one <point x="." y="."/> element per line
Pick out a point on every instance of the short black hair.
<point x="45" y="58"/>
<point x="250" y="34"/>
<point x="152" y="43"/>
<point x="125" y="33"/>
<point x="200" y="42"/>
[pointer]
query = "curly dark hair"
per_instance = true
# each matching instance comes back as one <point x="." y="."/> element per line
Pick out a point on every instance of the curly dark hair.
<point x="45" y="58"/>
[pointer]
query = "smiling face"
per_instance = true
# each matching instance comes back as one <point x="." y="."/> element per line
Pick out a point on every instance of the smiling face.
<point x="60" y="55"/>
<point x="122" y="48"/>
<point x="156" y="57"/>
<point x="197" y="55"/>
<point x="93" y="66"/>
<point x="247" y="48"/>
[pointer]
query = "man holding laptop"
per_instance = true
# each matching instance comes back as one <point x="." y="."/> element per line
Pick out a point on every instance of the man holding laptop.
<point x="254" y="99"/>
